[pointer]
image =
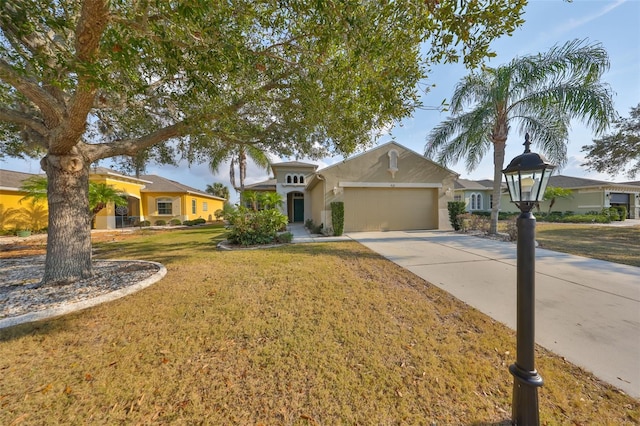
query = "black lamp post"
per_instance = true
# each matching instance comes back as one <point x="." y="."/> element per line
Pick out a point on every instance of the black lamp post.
<point x="527" y="176"/>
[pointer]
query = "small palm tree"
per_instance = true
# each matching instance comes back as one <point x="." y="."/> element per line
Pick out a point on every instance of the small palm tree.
<point x="8" y="216"/>
<point x="100" y="195"/>
<point x="271" y="200"/>
<point x="218" y="189"/>
<point x="250" y="197"/>
<point x="540" y="93"/>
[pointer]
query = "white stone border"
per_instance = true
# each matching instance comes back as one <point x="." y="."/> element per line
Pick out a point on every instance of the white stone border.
<point x="88" y="303"/>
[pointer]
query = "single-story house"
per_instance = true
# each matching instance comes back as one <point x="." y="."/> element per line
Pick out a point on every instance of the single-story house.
<point x="389" y="187"/>
<point x="588" y="195"/>
<point x="477" y="194"/>
<point x="149" y="197"/>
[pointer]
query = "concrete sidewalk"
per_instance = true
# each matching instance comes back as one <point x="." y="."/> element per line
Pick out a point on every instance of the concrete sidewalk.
<point x="587" y="310"/>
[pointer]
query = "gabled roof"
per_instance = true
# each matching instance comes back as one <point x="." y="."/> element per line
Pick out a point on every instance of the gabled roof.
<point x="576" y="182"/>
<point x="160" y="184"/>
<point x="265" y="185"/>
<point x="385" y="145"/>
<point x="478" y="185"/>
<point x="295" y="164"/>
<point x="10" y="179"/>
<point x="110" y="172"/>
<point x="634" y="183"/>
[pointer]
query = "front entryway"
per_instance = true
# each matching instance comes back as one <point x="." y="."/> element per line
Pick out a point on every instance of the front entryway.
<point x="295" y="206"/>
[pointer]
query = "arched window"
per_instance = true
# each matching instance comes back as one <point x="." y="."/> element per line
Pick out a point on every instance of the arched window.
<point x="301" y="179"/>
<point x="476" y="202"/>
<point x="295" y="179"/>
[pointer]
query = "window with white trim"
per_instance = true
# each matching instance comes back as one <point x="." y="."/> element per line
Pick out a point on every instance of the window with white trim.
<point x="194" y="206"/>
<point x="205" y="206"/>
<point x="476" y="202"/>
<point x="164" y="206"/>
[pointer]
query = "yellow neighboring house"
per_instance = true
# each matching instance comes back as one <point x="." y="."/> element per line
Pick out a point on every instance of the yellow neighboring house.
<point x="149" y="198"/>
<point x="17" y="214"/>
<point x="164" y="199"/>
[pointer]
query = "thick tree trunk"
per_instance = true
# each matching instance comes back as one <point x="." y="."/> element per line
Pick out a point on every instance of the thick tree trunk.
<point x="69" y="237"/>
<point x="498" y="164"/>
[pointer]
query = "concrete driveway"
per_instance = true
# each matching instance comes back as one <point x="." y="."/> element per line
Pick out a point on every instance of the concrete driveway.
<point x="587" y="310"/>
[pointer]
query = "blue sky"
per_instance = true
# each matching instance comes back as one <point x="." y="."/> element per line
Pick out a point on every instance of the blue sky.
<point x="614" y="23"/>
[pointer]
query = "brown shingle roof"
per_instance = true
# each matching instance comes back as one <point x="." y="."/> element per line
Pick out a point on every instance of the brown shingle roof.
<point x="13" y="180"/>
<point x="160" y="184"/>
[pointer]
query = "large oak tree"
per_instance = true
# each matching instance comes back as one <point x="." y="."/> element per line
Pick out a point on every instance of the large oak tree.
<point x="83" y="80"/>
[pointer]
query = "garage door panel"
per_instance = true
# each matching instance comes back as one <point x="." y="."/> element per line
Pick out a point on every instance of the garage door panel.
<point x="376" y="209"/>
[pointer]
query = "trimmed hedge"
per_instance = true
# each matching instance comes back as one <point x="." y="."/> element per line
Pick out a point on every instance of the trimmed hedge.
<point x="337" y="217"/>
<point x="456" y="208"/>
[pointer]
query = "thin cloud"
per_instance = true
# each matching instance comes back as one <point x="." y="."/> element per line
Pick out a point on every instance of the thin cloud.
<point x="577" y="23"/>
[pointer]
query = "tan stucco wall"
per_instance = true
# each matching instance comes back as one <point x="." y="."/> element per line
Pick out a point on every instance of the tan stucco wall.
<point x="373" y="168"/>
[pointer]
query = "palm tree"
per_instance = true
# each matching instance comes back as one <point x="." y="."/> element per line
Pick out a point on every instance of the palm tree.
<point x="218" y="189"/>
<point x="540" y="93"/>
<point x="270" y="200"/>
<point x="238" y="154"/>
<point x="100" y="194"/>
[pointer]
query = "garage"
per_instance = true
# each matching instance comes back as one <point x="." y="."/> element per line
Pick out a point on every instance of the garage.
<point x="390" y="209"/>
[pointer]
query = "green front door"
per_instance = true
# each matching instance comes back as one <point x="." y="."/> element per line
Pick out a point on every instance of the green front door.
<point x="298" y="209"/>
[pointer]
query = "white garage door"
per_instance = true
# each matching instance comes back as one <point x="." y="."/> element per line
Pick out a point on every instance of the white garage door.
<point x="390" y="209"/>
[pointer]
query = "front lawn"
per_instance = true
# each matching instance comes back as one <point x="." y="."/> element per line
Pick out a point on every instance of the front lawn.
<point x="305" y="334"/>
<point x="614" y="244"/>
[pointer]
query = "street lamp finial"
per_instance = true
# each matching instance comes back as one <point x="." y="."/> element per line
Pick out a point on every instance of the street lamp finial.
<point x="527" y="143"/>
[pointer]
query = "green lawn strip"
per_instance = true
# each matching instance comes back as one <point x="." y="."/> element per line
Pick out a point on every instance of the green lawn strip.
<point x="613" y="244"/>
<point x="326" y="333"/>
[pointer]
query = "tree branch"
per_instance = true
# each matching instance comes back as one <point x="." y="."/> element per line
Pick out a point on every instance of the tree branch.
<point x="52" y="112"/>
<point x="18" y="117"/>
<point x="132" y="146"/>
<point x="94" y="17"/>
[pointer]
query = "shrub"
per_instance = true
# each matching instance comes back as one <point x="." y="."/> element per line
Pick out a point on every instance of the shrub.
<point x="175" y="222"/>
<point x="188" y="223"/>
<point x="219" y="214"/>
<point x="613" y="213"/>
<point x="622" y="212"/>
<point x="585" y="218"/>
<point x="456" y="208"/>
<point x="285" y="237"/>
<point x="160" y="222"/>
<point x="199" y="221"/>
<point x="248" y="227"/>
<point x="472" y="222"/>
<point x="337" y="217"/>
<point x="512" y="229"/>
<point x="144" y="223"/>
<point x="308" y="223"/>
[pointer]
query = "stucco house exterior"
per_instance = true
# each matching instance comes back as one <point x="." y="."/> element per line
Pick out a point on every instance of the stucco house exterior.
<point x="389" y="187"/>
<point x="149" y="197"/>
<point x="476" y="194"/>
<point x="588" y="195"/>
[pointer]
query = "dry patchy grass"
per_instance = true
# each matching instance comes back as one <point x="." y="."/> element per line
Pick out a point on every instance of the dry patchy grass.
<point x="614" y="244"/>
<point x="301" y="334"/>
